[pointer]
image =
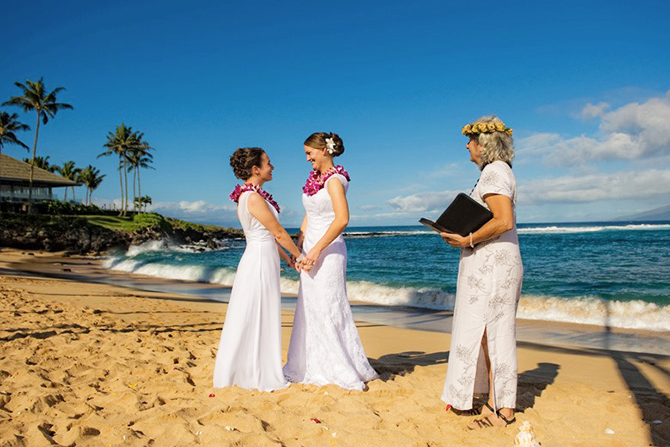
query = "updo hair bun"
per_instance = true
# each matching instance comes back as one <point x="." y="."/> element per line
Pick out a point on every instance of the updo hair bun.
<point x="318" y="141"/>
<point x="245" y="158"/>
<point x="339" y="145"/>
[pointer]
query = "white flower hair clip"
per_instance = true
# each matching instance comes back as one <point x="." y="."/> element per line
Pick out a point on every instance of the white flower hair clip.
<point x="330" y="144"/>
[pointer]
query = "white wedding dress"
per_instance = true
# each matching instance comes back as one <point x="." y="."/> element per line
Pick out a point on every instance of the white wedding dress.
<point x="249" y="353"/>
<point x="325" y="347"/>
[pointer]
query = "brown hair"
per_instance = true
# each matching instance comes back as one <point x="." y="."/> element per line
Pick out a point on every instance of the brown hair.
<point x="318" y="141"/>
<point x="244" y="159"/>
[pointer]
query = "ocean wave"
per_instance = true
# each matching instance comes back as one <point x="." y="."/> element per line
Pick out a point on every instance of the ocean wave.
<point x="147" y="247"/>
<point x="635" y="314"/>
<point x="428" y="298"/>
<point x="195" y="273"/>
<point x="557" y="229"/>
<point x="167" y="246"/>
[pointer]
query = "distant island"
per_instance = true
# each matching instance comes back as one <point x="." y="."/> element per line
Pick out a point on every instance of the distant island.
<point x="657" y="214"/>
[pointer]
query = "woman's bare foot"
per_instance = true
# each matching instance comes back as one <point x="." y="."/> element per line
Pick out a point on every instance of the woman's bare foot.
<point x="487" y="409"/>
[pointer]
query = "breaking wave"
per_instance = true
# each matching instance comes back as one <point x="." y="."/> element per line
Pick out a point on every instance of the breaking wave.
<point x="636" y="314"/>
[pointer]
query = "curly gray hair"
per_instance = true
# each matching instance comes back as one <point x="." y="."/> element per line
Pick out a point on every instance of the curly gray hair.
<point x="495" y="145"/>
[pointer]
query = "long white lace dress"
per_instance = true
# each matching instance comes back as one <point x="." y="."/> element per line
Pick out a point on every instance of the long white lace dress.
<point x="325" y="346"/>
<point x="487" y="295"/>
<point x="249" y="353"/>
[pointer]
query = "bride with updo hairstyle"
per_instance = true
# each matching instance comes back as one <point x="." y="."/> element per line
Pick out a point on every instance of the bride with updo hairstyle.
<point x="249" y="354"/>
<point x="244" y="159"/>
<point x="318" y="140"/>
<point x="325" y="346"/>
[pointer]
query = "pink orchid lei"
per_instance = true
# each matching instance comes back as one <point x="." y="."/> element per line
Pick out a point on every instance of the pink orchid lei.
<point x="237" y="192"/>
<point x="316" y="180"/>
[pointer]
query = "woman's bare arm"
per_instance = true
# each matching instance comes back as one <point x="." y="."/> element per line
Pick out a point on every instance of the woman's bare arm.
<point x="503" y="221"/>
<point x="258" y="208"/>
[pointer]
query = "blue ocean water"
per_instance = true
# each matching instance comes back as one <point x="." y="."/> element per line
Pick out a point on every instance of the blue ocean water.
<point x="603" y="273"/>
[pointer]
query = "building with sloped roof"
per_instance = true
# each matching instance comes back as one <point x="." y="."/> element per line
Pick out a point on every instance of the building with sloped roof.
<point x="15" y="181"/>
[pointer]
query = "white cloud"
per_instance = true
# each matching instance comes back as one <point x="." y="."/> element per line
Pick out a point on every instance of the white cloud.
<point x="199" y="206"/>
<point x="199" y="210"/>
<point x="648" y="124"/>
<point x="594" y="110"/>
<point x="569" y="189"/>
<point x="106" y="203"/>
<point x="633" y="131"/>
<point x="596" y="187"/>
<point x="422" y="202"/>
<point x="406" y="209"/>
<point x="203" y="212"/>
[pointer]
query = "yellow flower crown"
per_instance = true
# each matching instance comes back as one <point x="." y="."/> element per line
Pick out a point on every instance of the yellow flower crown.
<point x="477" y="128"/>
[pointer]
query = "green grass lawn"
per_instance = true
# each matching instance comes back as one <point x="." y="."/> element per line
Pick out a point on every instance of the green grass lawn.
<point x="112" y="222"/>
<point x="184" y="225"/>
<point x="151" y="220"/>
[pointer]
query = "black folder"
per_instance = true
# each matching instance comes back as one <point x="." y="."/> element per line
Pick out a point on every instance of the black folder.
<point x="463" y="216"/>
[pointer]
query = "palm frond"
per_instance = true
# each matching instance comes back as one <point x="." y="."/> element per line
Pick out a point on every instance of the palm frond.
<point x="9" y="124"/>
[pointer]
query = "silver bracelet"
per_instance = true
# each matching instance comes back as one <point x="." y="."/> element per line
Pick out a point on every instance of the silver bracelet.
<point x="300" y="258"/>
<point x="471" y="244"/>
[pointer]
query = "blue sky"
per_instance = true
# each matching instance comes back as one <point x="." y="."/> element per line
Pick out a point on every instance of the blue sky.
<point x="583" y="84"/>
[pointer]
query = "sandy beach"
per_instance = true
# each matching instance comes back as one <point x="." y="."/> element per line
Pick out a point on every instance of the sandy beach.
<point x="87" y="364"/>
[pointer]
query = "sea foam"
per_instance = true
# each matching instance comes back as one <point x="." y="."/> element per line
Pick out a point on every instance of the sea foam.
<point x="559" y="229"/>
<point x="636" y="314"/>
<point x="195" y="273"/>
<point x="167" y="246"/>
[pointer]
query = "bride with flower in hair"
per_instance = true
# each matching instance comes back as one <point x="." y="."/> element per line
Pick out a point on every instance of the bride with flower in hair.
<point x="325" y="346"/>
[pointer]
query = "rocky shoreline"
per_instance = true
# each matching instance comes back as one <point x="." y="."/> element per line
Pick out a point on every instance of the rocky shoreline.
<point x="77" y="235"/>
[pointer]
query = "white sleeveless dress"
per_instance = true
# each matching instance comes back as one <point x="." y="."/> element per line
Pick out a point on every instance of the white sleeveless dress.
<point x="325" y="346"/>
<point x="249" y="353"/>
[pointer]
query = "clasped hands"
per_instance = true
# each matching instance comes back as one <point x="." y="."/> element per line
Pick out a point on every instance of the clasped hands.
<point x="305" y="262"/>
<point x="455" y="240"/>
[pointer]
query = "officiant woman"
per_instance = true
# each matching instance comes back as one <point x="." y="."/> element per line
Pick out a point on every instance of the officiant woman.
<point x="482" y="357"/>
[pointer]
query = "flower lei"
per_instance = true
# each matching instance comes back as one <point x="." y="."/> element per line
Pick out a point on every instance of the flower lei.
<point x="316" y="180"/>
<point x="237" y="192"/>
<point x="477" y="128"/>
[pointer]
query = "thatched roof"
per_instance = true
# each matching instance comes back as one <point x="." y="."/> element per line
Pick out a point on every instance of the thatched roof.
<point x="16" y="171"/>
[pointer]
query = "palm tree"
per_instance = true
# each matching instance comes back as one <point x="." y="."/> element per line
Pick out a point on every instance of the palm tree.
<point x="35" y="97"/>
<point x="139" y="158"/>
<point x="122" y="142"/>
<point x="146" y="200"/>
<point x="42" y="163"/>
<point x="8" y="125"/>
<point x="69" y="172"/>
<point x="142" y="201"/>
<point x="91" y="178"/>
